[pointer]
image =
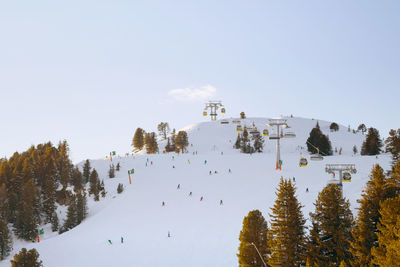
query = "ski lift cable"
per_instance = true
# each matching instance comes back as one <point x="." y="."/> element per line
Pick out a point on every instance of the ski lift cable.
<point x="316" y="149"/>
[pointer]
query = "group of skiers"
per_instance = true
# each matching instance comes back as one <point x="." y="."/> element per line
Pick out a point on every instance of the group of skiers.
<point x="110" y="242"/>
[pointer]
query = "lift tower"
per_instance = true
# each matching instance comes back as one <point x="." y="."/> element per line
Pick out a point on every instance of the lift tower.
<point x="279" y="122"/>
<point x="213" y="106"/>
<point x="331" y="168"/>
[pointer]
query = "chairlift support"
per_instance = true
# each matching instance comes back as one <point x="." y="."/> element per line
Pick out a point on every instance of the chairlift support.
<point x="345" y="171"/>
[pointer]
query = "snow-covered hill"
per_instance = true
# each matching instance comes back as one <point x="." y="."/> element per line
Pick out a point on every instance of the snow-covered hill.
<point x="202" y="233"/>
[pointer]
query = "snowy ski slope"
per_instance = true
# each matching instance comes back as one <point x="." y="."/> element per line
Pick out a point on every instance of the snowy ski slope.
<point x="203" y="233"/>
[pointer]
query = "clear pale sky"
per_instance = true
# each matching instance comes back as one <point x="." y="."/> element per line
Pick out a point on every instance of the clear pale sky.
<point x="91" y="72"/>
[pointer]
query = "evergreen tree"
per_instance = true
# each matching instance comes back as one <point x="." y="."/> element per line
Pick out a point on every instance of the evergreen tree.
<point x="181" y="141"/>
<point x="313" y="248"/>
<point x="254" y="233"/>
<point x="138" y="139"/>
<point x="245" y="146"/>
<point x="120" y="188"/>
<point x="258" y="143"/>
<point x="393" y="144"/>
<point x="86" y="171"/>
<point x="387" y="253"/>
<point x="26" y="220"/>
<point x="77" y="180"/>
<point x="118" y="167"/>
<point x="319" y="140"/>
<point x="372" y="144"/>
<point x="102" y="189"/>
<point x="173" y="136"/>
<point x="49" y="204"/>
<point x="362" y="128"/>
<point x="71" y="220"/>
<point x="286" y="238"/>
<point x="26" y="259"/>
<point x="151" y="143"/>
<point x="394" y="179"/>
<point x="334" y="127"/>
<point x="4" y="208"/>
<point x="168" y="147"/>
<point x="163" y="129"/>
<point x="64" y="164"/>
<point x="5" y="240"/>
<point x="111" y="171"/>
<point x="355" y="150"/>
<point x="332" y="222"/>
<point x="81" y="207"/>
<point x="365" y="230"/>
<point x="94" y="184"/>
<point x="238" y="141"/>
<point x="54" y="222"/>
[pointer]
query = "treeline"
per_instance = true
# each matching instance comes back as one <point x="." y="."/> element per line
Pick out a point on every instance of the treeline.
<point x="176" y="142"/>
<point x="249" y="144"/>
<point x="334" y="237"/>
<point x="32" y="185"/>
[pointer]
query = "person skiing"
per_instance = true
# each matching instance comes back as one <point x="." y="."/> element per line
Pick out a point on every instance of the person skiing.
<point x="179" y="186"/>
<point x="294" y="179"/>
<point x="109" y="241"/>
<point x="205" y="161"/>
<point x="221" y="202"/>
<point x="189" y="161"/>
<point x="201" y="199"/>
<point x="307" y="190"/>
<point x="190" y="194"/>
<point x="215" y="172"/>
<point x="169" y="234"/>
<point x="122" y="240"/>
<point x="210" y="172"/>
<point x="163" y="203"/>
<point x="151" y="162"/>
<point x="230" y="171"/>
<point x="173" y="157"/>
<point x="173" y="166"/>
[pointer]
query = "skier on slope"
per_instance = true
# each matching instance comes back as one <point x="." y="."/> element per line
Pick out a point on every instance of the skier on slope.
<point x="163" y="203"/>
<point x="307" y="190"/>
<point x="179" y="186"/>
<point x="221" y="202"/>
<point x="210" y="172"/>
<point x="122" y="240"/>
<point x="109" y="241"/>
<point x="190" y="194"/>
<point x="230" y="171"/>
<point x="201" y="199"/>
<point x="205" y="161"/>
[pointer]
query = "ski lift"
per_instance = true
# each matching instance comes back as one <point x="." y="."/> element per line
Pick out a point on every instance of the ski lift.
<point x="224" y="122"/>
<point x="273" y="136"/>
<point x="239" y="128"/>
<point x="223" y="110"/>
<point x="303" y="162"/>
<point x="334" y="181"/>
<point x="289" y="135"/>
<point x="204" y="113"/>
<point x="265" y="132"/>
<point x="236" y="121"/>
<point x="316" y="157"/>
<point x="346" y="177"/>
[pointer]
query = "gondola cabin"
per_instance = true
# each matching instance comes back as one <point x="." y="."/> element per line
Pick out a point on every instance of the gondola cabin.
<point x="303" y="162"/>
<point x="346" y="177"/>
<point x="204" y="113"/>
<point x="239" y="128"/>
<point x="316" y="157"/>
<point x="265" y="132"/>
<point x="223" y="110"/>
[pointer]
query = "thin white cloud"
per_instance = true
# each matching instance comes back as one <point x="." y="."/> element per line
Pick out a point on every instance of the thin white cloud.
<point x="202" y="93"/>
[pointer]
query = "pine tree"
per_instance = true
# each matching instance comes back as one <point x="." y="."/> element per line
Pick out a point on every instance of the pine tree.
<point x="334" y="127"/>
<point x="120" y="188"/>
<point x="154" y="144"/>
<point x="313" y="248"/>
<point x="362" y="128"/>
<point x="163" y="129"/>
<point x="254" y="233"/>
<point x="71" y="220"/>
<point x="181" y="141"/>
<point x="111" y="171"/>
<point x="258" y="143"/>
<point x="102" y="189"/>
<point x="393" y="144"/>
<point x="319" y="140"/>
<point x="238" y="141"/>
<point x="5" y="240"/>
<point x="387" y="253"/>
<point x="372" y="144"/>
<point x="168" y="147"/>
<point x="355" y="150"/>
<point x="77" y="180"/>
<point x="4" y="208"/>
<point x="86" y="171"/>
<point x="64" y="164"/>
<point x="81" y="207"/>
<point x="394" y="179"/>
<point x="49" y="204"/>
<point x="94" y="184"/>
<point x="26" y="220"/>
<point x="138" y="139"/>
<point x="286" y="238"/>
<point x="54" y="222"/>
<point x="332" y="222"/>
<point x="245" y="146"/>
<point x="365" y="230"/>
<point x="118" y="167"/>
<point x="26" y="259"/>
